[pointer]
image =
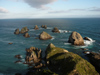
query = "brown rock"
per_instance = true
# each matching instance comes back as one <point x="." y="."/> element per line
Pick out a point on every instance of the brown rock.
<point x="44" y="26"/>
<point x="10" y="43"/>
<point x="39" y="54"/>
<point x="18" y="61"/>
<point x="24" y="30"/>
<point x="26" y="35"/>
<point x="86" y="38"/>
<point x="18" y="56"/>
<point x="56" y="30"/>
<point x="16" y="31"/>
<point x="76" y="39"/>
<point x="36" y="27"/>
<point x="44" y="36"/>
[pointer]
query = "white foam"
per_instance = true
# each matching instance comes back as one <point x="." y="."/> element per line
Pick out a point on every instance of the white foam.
<point x="67" y="43"/>
<point x="53" y="38"/>
<point x="86" y="42"/>
<point x="64" y="31"/>
<point x="1" y="74"/>
<point x="49" y="27"/>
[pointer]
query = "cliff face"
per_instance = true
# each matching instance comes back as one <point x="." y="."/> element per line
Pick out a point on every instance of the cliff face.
<point x="67" y="63"/>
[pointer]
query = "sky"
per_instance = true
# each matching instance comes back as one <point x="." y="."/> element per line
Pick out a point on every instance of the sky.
<point x="10" y="9"/>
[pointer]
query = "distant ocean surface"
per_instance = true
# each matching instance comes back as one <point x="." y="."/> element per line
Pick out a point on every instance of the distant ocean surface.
<point x="89" y="27"/>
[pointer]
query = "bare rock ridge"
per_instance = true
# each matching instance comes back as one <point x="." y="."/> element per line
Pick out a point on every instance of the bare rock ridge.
<point x="76" y="39"/>
<point x="55" y="30"/>
<point x="44" y="26"/>
<point x="36" y="27"/>
<point x="44" y="36"/>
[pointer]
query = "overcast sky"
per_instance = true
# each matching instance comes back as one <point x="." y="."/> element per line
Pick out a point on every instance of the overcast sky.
<point x="49" y="9"/>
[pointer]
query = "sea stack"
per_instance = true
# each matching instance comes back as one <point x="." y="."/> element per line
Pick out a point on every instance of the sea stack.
<point x="44" y="36"/>
<point x="44" y="26"/>
<point x="24" y="30"/>
<point x="55" y="30"/>
<point x="76" y="39"/>
<point x="36" y="27"/>
<point x="16" y="31"/>
<point x="26" y="35"/>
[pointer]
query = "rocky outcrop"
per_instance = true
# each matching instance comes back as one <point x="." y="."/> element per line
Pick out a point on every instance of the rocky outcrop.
<point x="44" y="26"/>
<point x="16" y="31"/>
<point x="76" y="39"/>
<point x="94" y="58"/>
<point x="33" y="55"/>
<point x="67" y="63"/>
<point x="36" y="27"/>
<point x="55" y="30"/>
<point x="24" y="30"/>
<point x="86" y="38"/>
<point x="44" y="36"/>
<point x="26" y="35"/>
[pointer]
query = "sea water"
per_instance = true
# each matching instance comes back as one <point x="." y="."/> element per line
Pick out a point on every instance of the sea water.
<point x="87" y="27"/>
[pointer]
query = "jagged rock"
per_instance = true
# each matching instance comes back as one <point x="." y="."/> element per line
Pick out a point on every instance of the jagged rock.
<point x="44" y="36"/>
<point x="26" y="35"/>
<point x="36" y="27"/>
<point x="18" y="56"/>
<point x="76" y="39"/>
<point x="10" y="43"/>
<point x="67" y="63"/>
<point x="44" y="26"/>
<point x="86" y="38"/>
<point x="56" y="30"/>
<point x="94" y="58"/>
<point x="18" y="61"/>
<point x="39" y="54"/>
<point x="24" y="30"/>
<point x="16" y="31"/>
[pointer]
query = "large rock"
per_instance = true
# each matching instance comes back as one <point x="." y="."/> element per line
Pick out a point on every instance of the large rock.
<point x="56" y="30"/>
<point x="76" y="39"/>
<point x="44" y="36"/>
<point x="67" y="63"/>
<point x="33" y="55"/>
<point x="26" y="35"/>
<point x="16" y="31"/>
<point x="94" y="58"/>
<point x="44" y="26"/>
<point x="24" y="30"/>
<point x="36" y="27"/>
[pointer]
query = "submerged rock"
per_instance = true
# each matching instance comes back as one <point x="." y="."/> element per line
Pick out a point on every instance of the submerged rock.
<point x="56" y="30"/>
<point x="76" y="39"/>
<point x="44" y="36"/>
<point x="10" y="43"/>
<point x="86" y="38"/>
<point x="24" y="30"/>
<point x="26" y="35"/>
<point x="16" y="31"/>
<point x="67" y="63"/>
<point x="36" y="27"/>
<point x="44" y="26"/>
<point x="94" y="58"/>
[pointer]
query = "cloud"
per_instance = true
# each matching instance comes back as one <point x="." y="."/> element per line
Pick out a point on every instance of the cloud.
<point x="66" y="11"/>
<point x="39" y="4"/>
<point x="3" y="10"/>
<point x="94" y="9"/>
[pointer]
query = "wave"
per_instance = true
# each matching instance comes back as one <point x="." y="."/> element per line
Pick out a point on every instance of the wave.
<point x="49" y="27"/>
<point x="86" y="42"/>
<point x="53" y="38"/>
<point x="64" y="31"/>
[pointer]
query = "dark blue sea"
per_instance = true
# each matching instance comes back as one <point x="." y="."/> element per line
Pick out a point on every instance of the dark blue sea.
<point x="89" y="27"/>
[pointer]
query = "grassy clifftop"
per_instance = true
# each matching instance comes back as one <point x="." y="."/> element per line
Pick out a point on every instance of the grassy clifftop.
<point x="67" y="63"/>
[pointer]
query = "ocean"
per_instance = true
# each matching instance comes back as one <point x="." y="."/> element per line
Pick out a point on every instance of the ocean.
<point x="87" y="27"/>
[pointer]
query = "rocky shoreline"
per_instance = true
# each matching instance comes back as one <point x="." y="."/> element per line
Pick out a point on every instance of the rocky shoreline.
<point x="58" y="61"/>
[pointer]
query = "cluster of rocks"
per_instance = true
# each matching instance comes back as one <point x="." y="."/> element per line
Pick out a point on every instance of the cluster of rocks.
<point x="44" y="26"/>
<point x="18" y="57"/>
<point x="24" y="31"/>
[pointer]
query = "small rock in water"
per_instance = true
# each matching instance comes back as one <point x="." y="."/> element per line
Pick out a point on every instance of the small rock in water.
<point x="86" y="38"/>
<point x="84" y="49"/>
<point x="18" y="56"/>
<point x="10" y="43"/>
<point x="86" y="52"/>
<point x="18" y="61"/>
